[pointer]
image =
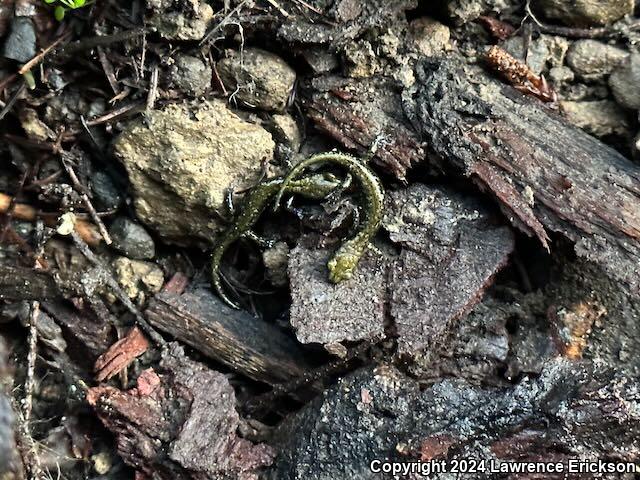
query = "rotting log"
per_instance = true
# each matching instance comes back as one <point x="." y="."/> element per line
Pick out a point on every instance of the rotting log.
<point x="245" y="344"/>
<point x="572" y="410"/>
<point x="547" y="175"/>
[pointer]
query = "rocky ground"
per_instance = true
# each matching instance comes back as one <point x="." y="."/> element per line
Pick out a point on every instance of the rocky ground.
<point x="497" y="315"/>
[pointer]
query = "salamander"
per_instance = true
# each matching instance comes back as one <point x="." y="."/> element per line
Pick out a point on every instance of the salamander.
<point x="314" y="186"/>
<point x="345" y="260"/>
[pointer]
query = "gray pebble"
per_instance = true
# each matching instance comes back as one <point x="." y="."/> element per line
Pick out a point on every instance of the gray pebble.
<point x="625" y="83"/>
<point x="191" y="75"/>
<point x="106" y="193"/>
<point x="131" y="239"/>
<point x="591" y="58"/>
<point x="20" y="45"/>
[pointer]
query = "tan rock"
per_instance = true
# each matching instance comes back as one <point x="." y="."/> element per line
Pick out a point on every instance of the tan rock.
<point x="183" y="158"/>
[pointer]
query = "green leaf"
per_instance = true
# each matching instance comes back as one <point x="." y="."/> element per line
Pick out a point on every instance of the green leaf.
<point x="80" y="3"/>
<point x="49" y="1"/>
<point x="59" y="13"/>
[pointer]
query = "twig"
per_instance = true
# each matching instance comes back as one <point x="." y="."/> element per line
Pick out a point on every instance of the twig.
<point x="223" y="22"/>
<point x="31" y="361"/>
<point x="117" y="290"/>
<point x="310" y="7"/>
<point x="143" y="56"/>
<point x="131" y="108"/>
<point x="108" y="70"/>
<point x="40" y="56"/>
<point x="101" y="40"/>
<point x="7" y="108"/>
<point x="64" y="156"/>
<point x="153" y="89"/>
<point x="277" y="6"/>
<point x="601" y="32"/>
<point x="118" y="112"/>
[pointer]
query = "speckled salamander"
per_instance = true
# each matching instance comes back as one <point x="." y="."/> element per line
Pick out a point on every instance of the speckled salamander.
<point x="315" y="186"/>
<point x="345" y="260"/>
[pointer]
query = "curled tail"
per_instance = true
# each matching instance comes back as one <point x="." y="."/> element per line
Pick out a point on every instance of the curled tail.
<point x="216" y="278"/>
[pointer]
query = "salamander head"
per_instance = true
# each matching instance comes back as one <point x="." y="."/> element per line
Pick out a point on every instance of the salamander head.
<point x="342" y="266"/>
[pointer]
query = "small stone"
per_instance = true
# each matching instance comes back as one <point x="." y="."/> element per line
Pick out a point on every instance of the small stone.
<point x="590" y="58"/>
<point x="262" y="80"/>
<point x="625" y="83"/>
<point x="138" y="279"/>
<point x="187" y="21"/>
<point x="560" y="75"/>
<point x="182" y="159"/>
<point x="20" y="45"/>
<point x="285" y="130"/>
<point x="191" y="75"/>
<point x="361" y="60"/>
<point x="106" y="193"/>
<point x="70" y="105"/>
<point x="557" y="47"/>
<point x="275" y="261"/>
<point x="131" y="239"/>
<point x="429" y="36"/>
<point x="320" y="60"/>
<point x="580" y="91"/>
<point x="102" y="462"/>
<point x="464" y="11"/>
<point x="34" y="127"/>
<point x="599" y="118"/>
<point x="585" y="13"/>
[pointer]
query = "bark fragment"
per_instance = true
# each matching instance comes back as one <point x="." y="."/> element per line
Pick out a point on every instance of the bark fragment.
<point x="365" y="115"/>
<point x="451" y="252"/>
<point x="322" y="312"/>
<point x="246" y="344"/>
<point x="547" y="175"/>
<point x="180" y="423"/>
<point x="573" y="410"/>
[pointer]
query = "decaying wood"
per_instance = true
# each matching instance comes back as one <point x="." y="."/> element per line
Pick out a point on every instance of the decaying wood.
<point x="362" y="115"/>
<point x="325" y="313"/>
<point x="25" y="283"/>
<point x="247" y="345"/>
<point x="572" y="410"/>
<point x="121" y="354"/>
<point x="180" y="422"/>
<point x="83" y="329"/>
<point x="548" y="176"/>
<point x="452" y="248"/>
<point x="22" y="211"/>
